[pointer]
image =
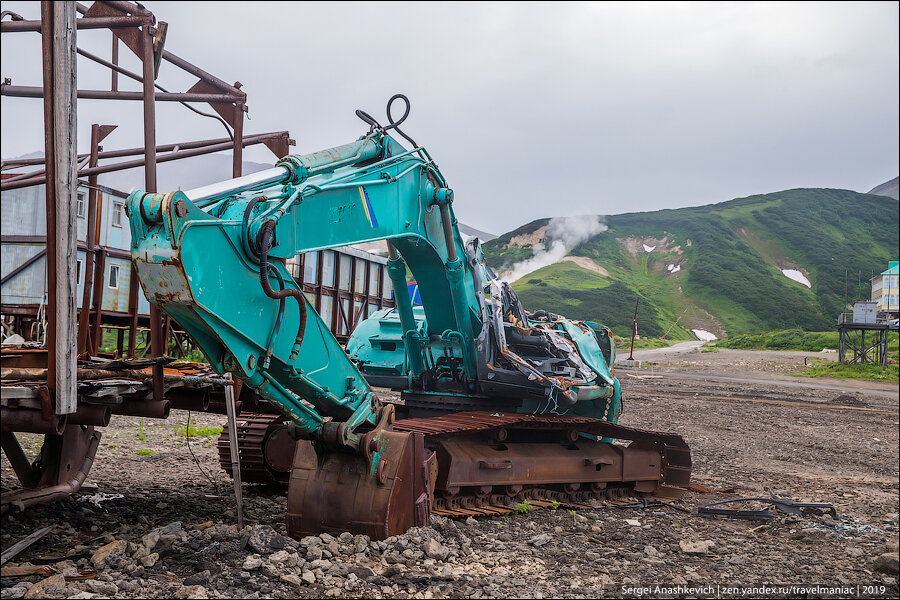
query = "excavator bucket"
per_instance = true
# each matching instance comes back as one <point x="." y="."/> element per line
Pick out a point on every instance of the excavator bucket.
<point x="333" y="491"/>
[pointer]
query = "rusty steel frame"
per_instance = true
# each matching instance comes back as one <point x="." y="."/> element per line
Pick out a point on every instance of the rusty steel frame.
<point x="137" y="28"/>
<point x="170" y="152"/>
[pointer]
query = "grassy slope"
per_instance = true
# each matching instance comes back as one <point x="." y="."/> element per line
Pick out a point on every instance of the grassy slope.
<point x="731" y="254"/>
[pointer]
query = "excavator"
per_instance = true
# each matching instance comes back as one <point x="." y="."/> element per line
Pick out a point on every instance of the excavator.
<point x="496" y="404"/>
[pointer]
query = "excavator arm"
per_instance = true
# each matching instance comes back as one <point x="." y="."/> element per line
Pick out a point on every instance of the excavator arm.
<point x="202" y="257"/>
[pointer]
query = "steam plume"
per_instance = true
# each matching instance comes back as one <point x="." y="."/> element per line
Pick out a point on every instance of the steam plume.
<point x="563" y="234"/>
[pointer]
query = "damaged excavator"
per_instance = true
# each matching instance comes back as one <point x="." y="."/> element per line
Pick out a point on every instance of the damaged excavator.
<point x="496" y="404"/>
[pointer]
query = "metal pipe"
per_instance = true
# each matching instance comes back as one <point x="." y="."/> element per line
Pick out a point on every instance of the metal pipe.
<point x="129" y="7"/>
<point x="396" y="268"/>
<point x="89" y="245"/>
<point x="82" y="23"/>
<point x="157" y="336"/>
<point x="192" y="399"/>
<point x="120" y="166"/>
<point x="114" y="81"/>
<point x="248" y="140"/>
<point x="448" y="233"/>
<point x="259" y="179"/>
<point x="27" y="91"/>
<point x="237" y="155"/>
<point x="306" y="165"/>
<point x="29" y="420"/>
<point x="207" y="77"/>
<point x="91" y="414"/>
<point x="142" y="408"/>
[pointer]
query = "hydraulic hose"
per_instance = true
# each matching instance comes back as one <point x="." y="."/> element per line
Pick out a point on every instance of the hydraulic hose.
<point x="265" y="243"/>
<point x="274" y="332"/>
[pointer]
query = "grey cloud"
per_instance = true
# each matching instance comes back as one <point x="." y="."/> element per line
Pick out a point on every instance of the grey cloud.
<point x="545" y="109"/>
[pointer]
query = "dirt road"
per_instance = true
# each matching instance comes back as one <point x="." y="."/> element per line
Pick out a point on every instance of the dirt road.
<point x="836" y="442"/>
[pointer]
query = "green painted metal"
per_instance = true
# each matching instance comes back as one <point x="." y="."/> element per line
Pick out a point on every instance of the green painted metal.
<point x="198" y="265"/>
<point x="199" y="262"/>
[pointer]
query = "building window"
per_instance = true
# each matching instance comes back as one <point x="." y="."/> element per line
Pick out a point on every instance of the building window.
<point x="118" y="210"/>
<point x="328" y="268"/>
<point x="310" y="267"/>
<point x="77" y="272"/>
<point x="114" y="276"/>
<point x="359" y="280"/>
<point x="374" y="278"/>
<point x="346" y="265"/>
<point x="80" y="204"/>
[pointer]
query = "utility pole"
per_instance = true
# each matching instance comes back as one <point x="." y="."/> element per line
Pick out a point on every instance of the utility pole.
<point x="633" y="329"/>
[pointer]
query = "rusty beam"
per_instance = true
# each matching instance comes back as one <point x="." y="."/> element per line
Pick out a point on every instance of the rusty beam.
<point x="132" y="310"/>
<point x="17" y="459"/>
<point x="129" y="7"/>
<point x="203" y="75"/>
<point x="114" y="75"/>
<point x="120" y="166"/>
<point x="82" y="23"/>
<point x="237" y="153"/>
<point x="99" y="271"/>
<point x="248" y="140"/>
<point x="156" y="344"/>
<point x="27" y="91"/>
<point x="98" y="132"/>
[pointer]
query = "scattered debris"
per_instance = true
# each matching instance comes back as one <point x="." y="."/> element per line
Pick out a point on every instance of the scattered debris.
<point x="21" y="545"/>
<point x="27" y="570"/>
<point x="784" y="505"/>
<point x="650" y="503"/>
<point x="99" y="497"/>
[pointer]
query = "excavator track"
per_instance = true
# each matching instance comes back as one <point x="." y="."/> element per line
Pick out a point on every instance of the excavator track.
<point x="489" y="463"/>
<point x="264" y="446"/>
<point x="535" y="498"/>
<point x="480" y="463"/>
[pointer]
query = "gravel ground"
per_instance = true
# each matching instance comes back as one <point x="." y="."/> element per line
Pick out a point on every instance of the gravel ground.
<point x="155" y="525"/>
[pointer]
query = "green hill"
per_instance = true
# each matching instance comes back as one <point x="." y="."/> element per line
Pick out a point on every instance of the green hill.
<point x="718" y="267"/>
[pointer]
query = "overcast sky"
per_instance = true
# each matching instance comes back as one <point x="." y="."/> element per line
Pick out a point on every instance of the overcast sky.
<point x="535" y="110"/>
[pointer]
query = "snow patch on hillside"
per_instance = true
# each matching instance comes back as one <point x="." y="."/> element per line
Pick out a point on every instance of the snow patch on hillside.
<point x="704" y="335"/>
<point x="797" y="276"/>
<point x="648" y="249"/>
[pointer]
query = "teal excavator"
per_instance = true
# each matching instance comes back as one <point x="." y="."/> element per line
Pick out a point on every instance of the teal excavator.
<point x="497" y="404"/>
